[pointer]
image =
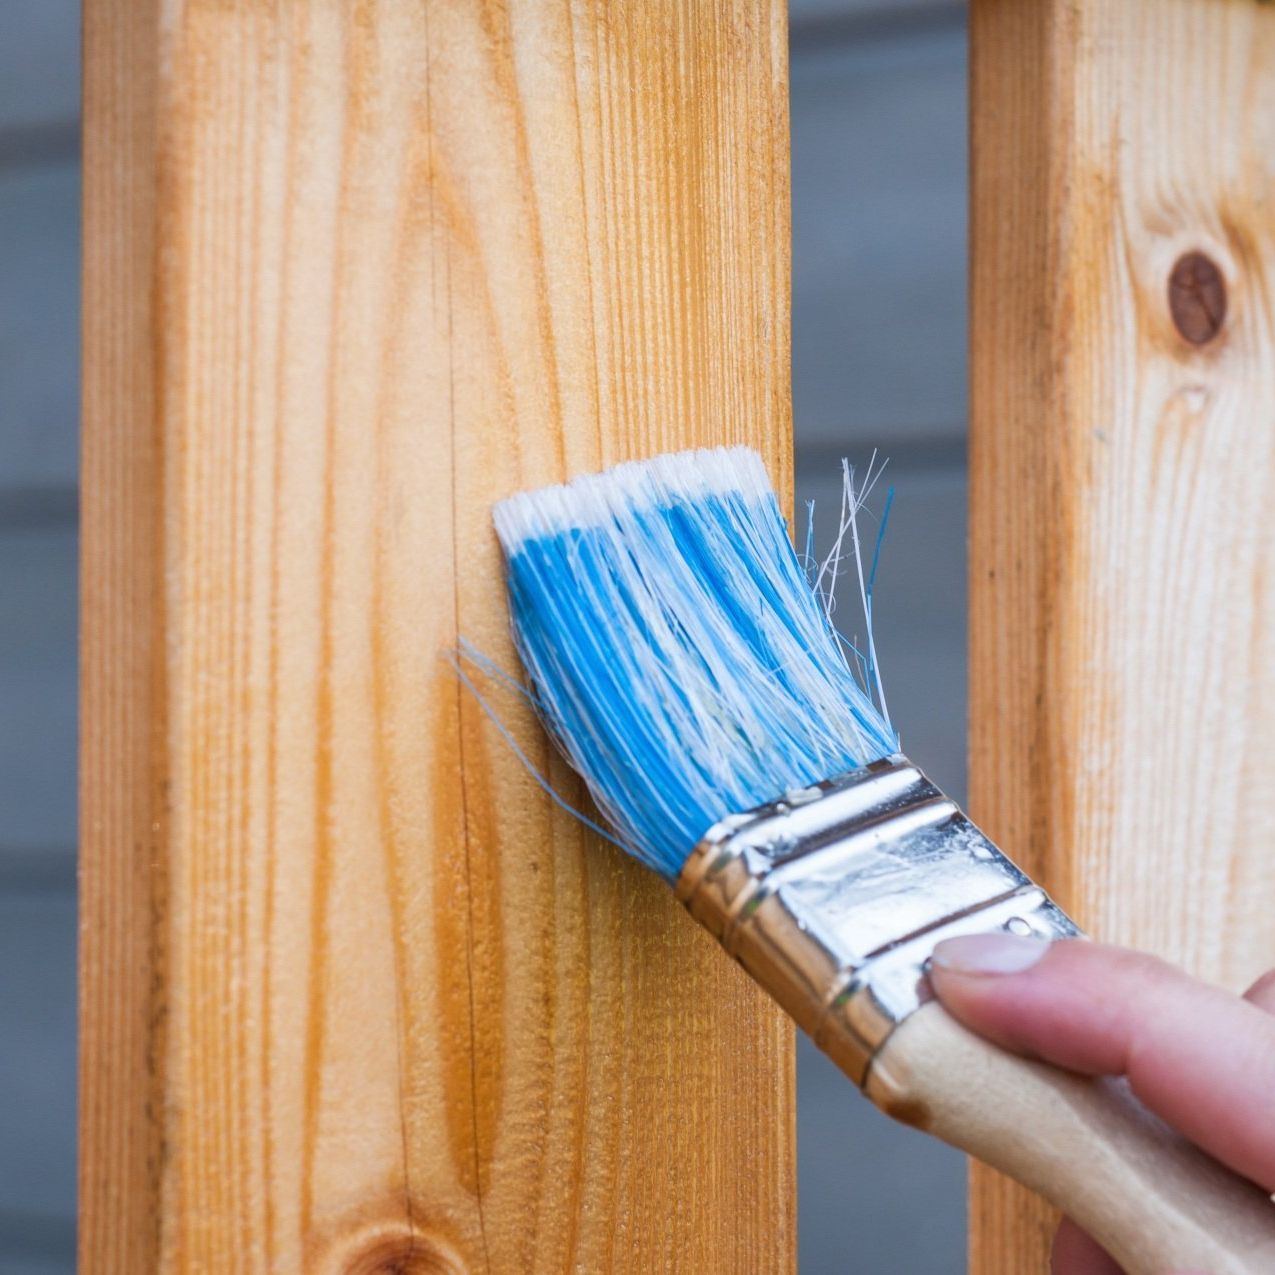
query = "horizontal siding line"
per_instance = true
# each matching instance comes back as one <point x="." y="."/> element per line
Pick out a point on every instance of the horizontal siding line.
<point x="818" y="33"/>
<point x="27" y="871"/>
<point x="38" y="506"/>
<point x="31" y="145"/>
<point x="908" y="455"/>
<point x="36" y="1235"/>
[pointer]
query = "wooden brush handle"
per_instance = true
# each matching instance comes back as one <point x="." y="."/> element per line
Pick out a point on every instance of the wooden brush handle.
<point x="1152" y="1200"/>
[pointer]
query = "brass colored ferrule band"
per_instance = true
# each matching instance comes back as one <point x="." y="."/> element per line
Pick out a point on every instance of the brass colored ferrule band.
<point x="833" y="898"/>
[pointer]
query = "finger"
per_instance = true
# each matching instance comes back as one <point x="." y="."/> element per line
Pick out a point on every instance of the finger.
<point x="1262" y="993"/>
<point x="1201" y="1058"/>
<point x="1074" y="1253"/>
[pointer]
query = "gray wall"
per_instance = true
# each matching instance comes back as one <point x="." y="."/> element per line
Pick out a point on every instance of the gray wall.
<point x="878" y="112"/>
<point x="879" y="184"/>
<point x="39" y="212"/>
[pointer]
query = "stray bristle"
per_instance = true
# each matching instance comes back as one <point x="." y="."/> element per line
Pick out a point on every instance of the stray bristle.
<point x="677" y="652"/>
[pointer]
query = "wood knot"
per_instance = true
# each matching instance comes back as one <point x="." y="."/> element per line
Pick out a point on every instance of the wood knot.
<point x="1197" y="297"/>
<point x="394" y="1249"/>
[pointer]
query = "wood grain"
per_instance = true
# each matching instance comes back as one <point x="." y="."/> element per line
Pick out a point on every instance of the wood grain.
<point x="355" y="995"/>
<point x="1122" y="564"/>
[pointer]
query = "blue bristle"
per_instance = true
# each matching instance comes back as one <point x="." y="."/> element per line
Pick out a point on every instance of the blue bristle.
<point x="678" y="654"/>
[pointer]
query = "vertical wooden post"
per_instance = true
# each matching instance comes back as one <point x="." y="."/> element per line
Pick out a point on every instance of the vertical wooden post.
<point x="356" y="995"/>
<point x="1122" y="470"/>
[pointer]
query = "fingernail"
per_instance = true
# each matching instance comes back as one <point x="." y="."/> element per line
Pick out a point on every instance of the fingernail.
<point x="998" y="953"/>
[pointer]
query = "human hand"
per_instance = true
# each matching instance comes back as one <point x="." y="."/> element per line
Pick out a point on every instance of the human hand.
<point x="1199" y="1057"/>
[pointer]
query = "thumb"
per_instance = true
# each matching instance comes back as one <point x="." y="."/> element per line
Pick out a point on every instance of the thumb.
<point x="1199" y="1057"/>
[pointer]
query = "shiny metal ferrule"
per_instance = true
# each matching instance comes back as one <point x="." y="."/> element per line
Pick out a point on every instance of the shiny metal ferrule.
<point x="832" y="897"/>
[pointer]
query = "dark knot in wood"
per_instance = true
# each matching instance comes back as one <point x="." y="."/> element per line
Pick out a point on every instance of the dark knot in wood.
<point x="396" y="1248"/>
<point x="1197" y="297"/>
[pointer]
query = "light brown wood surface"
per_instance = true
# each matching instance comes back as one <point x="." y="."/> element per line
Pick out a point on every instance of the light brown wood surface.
<point x="355" y="995"/>
<point x="1122" y="475"/>
<point x="1153" y="1201"/>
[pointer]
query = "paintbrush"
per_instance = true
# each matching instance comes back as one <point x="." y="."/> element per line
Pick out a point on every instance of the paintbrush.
<point x="738" y="746"/>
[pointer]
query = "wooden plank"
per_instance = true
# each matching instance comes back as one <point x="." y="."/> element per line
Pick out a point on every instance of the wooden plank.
<point x="1122" y="576"/>
<point x="355" y="994"/>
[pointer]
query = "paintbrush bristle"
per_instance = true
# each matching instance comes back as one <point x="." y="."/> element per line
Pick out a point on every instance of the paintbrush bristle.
<point x="676" y="650"/>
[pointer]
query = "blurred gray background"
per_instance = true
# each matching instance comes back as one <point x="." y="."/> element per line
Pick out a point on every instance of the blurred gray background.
<point x="879" y="164"/>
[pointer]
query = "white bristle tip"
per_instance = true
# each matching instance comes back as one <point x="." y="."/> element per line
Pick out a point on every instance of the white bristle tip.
<point x="594" y="499"/>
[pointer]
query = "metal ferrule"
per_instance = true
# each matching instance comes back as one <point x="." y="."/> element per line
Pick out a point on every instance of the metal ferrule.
<point x="833" y="898"/>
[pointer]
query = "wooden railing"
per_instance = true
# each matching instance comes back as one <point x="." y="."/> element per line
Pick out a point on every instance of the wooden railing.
<point x="356" y="995"/>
